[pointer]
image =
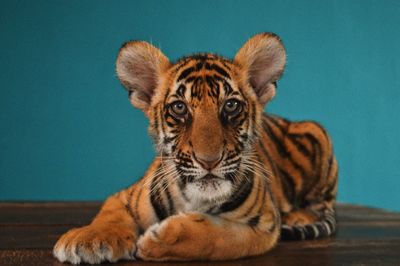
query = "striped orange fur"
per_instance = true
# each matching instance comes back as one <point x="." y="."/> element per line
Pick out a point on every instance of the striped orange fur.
<point x="228" y="180"/>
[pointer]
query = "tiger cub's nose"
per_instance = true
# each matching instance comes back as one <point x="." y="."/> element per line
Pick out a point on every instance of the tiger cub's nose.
<point x="208" y="162"/>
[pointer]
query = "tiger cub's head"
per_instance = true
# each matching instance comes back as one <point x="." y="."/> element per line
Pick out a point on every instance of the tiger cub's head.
<point x="204" y="110"/>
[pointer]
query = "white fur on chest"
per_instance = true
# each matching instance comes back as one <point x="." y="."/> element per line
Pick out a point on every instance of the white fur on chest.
<point x="203" y="197"/>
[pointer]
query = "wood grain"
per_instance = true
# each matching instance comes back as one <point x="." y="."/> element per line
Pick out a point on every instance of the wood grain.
<point x="366" y="236"/>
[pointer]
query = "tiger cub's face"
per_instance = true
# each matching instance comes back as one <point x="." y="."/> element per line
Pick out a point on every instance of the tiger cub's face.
<point x="203" y="121"/>
<point x="204" y="109"/>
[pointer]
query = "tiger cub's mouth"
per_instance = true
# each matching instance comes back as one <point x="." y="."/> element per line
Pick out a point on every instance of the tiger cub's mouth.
<point x="210" y="177"/>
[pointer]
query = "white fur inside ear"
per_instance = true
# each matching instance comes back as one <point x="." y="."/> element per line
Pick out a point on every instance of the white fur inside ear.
<point x="268" y="93"/>
<point x="262" y="59"/>
<point x="139" y="67"/>
<point x="139" y="100"/>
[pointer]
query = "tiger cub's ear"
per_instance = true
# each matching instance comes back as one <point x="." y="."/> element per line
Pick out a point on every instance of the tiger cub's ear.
<point x="262" y="61"/>
<point x="139" y="67"/>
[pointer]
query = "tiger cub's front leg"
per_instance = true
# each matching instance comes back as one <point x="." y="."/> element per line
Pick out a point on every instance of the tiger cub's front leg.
<point x="111" y="236"/>
<point x="197" y="236"/>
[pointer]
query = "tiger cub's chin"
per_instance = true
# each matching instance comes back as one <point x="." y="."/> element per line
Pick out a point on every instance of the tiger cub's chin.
<point x="212" y="189"/>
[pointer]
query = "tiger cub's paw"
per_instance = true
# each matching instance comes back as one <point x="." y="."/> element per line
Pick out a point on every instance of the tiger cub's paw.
<point x="299" y="217"/>
<point x="95" y="244"/>
<point x="174" y="239"/>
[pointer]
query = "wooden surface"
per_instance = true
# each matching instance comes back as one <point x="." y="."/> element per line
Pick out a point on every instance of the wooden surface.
<point x="366" y="236"/>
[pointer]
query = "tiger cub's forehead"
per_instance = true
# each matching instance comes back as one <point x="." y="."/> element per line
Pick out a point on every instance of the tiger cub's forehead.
<point x="208" y="61"/>
<point x="203" y="75"/>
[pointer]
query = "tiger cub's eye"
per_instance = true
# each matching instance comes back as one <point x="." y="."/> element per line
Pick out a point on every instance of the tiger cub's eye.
<point x="232" y="106"/>
<point x="179" y="108"/>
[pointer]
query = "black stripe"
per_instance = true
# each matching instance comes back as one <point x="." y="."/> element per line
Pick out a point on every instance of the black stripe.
<point x="330" y="162"/>
<point x="200" y="56"/>
<point x="196" y="91"/>
<point x="277" y="121"/>
<point x="282" y="149"/>
<point x="269" y="158"/>
<point x="227" y="88"/>
<point x="182" y="181"/>
<point x="169" y="139"/>
<point x="306" y="232"/>
<point x="233" y="161"/>
<point x="199" y="65"/>
<point x="156" y="201"/>
<point x="287" y="234"/>
<point x="181" y="90"/>
<point x="238" y="117"/>
<point x="161" y="117"/>
<point x="190" y="79"/>
<point x="309" y="232"/>
<point x="264" y="192"/>
<point x="171" y="207"/>
<point x="274" y="169"/>
<point x="316" y="146"/>
<point x="295" y="138"/>
<point x="220" y="71"/>
<point x="266" y="189"/>
<point x="230" y="176"/>
<point x="244" y="136"/>
<point x="218" y="78"/>
<point x="184" y="158"/>
<point x="224" y="62"/>
<point x="253" y="119"/>
<point x="155" y="123"/>
<point x="315" y="160"/>
<point x="171" y="116"/>
<point x="240" y="195"/>
<point x="332" y="224"/>
<point x="162" y="123"/>
<point x="277" y="142"/>
<point x="323" y="232"/>
<point x="231" y="155"/>
<point x="128" y="206"/>
<point x="256" y="198"/>
<point x="288" y="185"/>
<point x="181" y="63"/>
<point x="136" y="208"/>
<point x="253" y="222"/>
<point x="313" y="156"/>
<point x="328" y="194"/>
<point x="298" y="233"/>
<point x="214" y="86"/>
<point x="185" y="73"/>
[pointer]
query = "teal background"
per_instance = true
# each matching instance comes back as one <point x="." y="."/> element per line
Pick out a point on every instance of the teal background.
<point x="68" y="132"/>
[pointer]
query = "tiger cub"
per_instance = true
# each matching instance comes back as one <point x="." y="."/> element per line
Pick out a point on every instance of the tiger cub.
<point x="229" y="180"/>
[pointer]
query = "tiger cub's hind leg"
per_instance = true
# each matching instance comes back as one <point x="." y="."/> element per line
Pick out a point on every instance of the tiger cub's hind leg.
<point x="315" y="220"/>
<point x="313" y="213"/>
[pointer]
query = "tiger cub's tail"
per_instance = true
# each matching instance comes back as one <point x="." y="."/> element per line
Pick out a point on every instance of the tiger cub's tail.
<point x="323" y="228"/>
